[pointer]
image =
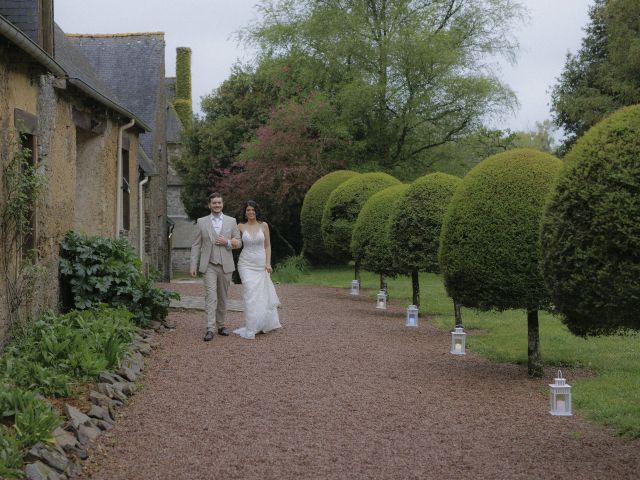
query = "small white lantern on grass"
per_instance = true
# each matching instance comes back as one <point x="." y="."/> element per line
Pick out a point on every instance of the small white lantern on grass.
<point x="381" y="300"/>
<point x="355" y="287"/>
<point x="458" y="340"/>
<point x="412" y="316"/>
<point x="560" y="397"/>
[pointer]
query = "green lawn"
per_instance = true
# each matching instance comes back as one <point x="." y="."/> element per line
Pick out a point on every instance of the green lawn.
<point x="611" y="396"/>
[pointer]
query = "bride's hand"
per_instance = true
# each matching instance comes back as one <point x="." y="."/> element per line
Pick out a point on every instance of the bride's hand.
<point x="268" y="269"/>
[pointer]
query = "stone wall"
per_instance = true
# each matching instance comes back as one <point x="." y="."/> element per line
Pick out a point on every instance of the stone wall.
<point x="80" y="169"/>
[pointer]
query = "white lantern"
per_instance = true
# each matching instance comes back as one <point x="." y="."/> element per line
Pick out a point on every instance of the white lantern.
<point x="412" y="316"/>
<point x="458" y="341"/>
<point x="560" y="397"/>
<point x="381" y="300"/>
<point x="355" y="287"/>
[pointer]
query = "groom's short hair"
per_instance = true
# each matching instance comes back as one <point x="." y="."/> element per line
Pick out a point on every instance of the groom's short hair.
<point x="215" y="195"/>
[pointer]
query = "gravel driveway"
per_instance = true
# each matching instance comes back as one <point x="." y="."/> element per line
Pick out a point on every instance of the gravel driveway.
<point x="343" y="391"/>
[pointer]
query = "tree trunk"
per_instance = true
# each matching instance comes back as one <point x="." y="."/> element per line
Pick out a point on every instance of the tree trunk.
<point x="534" y="364"/>
<point x="415" y="286"/>
<point x="383" y="284"/>
<point x="457" y="313"/>
<point x="356" y="272"/>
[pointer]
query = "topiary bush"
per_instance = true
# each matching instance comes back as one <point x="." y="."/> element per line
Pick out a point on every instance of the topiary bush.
<point x="342" y="209"/>
<point x="591" y="229"/>
<point x="490" y="243"/>
<point x="311" y="215"/>
<point x="97" y="270"/>
<point x="370" y="242"/>
<point x="416" y="224"/>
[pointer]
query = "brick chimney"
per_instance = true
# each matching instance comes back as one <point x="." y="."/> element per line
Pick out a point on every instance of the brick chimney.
<point x="182" y="102"/>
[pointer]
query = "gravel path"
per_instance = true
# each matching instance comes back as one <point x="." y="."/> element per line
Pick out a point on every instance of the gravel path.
<point x="343" y="392"/>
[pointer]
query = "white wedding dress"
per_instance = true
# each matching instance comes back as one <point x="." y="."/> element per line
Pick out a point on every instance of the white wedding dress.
<point x="259" y="295"/>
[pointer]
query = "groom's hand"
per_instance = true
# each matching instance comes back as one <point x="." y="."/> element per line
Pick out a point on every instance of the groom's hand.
<point x="220" y="240"/>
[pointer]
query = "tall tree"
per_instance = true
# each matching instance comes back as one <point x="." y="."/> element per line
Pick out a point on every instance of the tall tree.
<point x="405" y="75"/>
<point x="605" y="73"/>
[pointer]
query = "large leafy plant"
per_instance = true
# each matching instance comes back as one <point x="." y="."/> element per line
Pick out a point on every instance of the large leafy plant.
<point x="97" y="270"/>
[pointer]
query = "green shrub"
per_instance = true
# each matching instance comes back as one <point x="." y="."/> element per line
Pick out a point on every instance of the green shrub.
<point x="311" y="215"/>
<point x="490" y="249"/>
<point x="591" y="229"/>
<point x="30" y="419"/>
<point x="10" y="455"/>
<point x="342" y="209"/>
<point x="291" y="269"/>
<point x="417" y="221"/>
<point x="55" y="352"/>
<point x="370" y="241"/>
<point x="490" y="240"/>
<point x="97" y="270"/>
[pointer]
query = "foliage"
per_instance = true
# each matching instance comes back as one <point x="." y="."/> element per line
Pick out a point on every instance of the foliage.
<point x="417" y="220"/>
<point x="404" y="76"/>
<point x="21" y="187"/>
<point x="298" y="144"/>
<point x="541" y="138"/>
<point x="211" y="144"/>
<point x="605" y="73"/>
<point x="591" y="230"/>
<point x="370" y="241"/>
<point x="10" y="455"/>
<point x="291" y="269"/>
<point x="311" y="214"/>
<point x="31" y="419"/>
<point x="97" y="270"/>
<point x="53" y="352"/>
<point x="490" y="247"/>
<point x="342" y="209"/>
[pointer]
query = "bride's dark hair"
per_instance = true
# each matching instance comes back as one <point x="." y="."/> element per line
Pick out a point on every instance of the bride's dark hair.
<point x="256" y="208"/>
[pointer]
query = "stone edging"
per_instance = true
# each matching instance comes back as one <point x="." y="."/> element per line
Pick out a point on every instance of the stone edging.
<point x="62" y="460"/>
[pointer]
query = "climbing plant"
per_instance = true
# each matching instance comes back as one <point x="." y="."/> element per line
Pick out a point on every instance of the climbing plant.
<point x="22" y="185"/>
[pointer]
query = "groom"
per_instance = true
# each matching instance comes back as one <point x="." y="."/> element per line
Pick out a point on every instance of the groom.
<point x="216" y="236"/>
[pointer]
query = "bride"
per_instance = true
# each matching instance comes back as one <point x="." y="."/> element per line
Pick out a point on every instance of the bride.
<point x="254" y="266"/>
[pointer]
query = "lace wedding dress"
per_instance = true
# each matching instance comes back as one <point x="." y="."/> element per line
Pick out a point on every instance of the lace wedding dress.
<point x="259" y="295"/>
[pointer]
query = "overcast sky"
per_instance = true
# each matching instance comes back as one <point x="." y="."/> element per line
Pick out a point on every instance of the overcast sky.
<point x="208" y="27"/>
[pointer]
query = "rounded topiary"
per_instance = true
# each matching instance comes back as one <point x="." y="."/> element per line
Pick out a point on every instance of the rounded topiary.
<point x="311" y="214"/>
<point x="490" y="240"/>
<point x="591" y="229"/>
<point x="342" y="209"/>
<point x="417" y="221"/>
<point x="370" y="242"/>
<point x="490" y="250"/>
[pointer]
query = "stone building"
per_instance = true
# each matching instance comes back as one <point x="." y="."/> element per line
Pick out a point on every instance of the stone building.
<point x="133" y="66"/>
<point x="78" y="133"/>
<point x="184" y="229"/>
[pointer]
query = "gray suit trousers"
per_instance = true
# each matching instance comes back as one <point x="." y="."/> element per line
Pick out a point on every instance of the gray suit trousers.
<point x="216" y="284"/>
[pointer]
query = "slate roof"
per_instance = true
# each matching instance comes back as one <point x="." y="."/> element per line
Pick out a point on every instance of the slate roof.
<point x="24" y="14"/>
<point x="174" y="125"/>
<point x="78" y="66"/>
<point x="133" y="67"/>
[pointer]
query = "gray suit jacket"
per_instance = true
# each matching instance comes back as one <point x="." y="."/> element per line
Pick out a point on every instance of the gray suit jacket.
<point x="204" y="242"/>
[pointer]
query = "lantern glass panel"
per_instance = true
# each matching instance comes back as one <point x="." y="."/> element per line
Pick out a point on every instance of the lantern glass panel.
<point x="458" y="339"/>
<point x="355" y="287"/>
<point x="381" y="300"/>
<point x="560" y="397"/>
<point x="412" y="316"/>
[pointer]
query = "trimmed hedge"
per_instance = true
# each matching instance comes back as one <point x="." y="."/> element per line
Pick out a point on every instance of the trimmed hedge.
<point x="490" y="248"/>
<point x="342" y="209"/>
<point x="311" y="214"/>
<point x="417" y="221"/>
<point x="370" y="242"/>
<point x="591" y="229"/>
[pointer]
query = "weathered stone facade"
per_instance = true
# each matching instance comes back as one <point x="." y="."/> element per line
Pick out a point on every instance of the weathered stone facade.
<point x="75" y="144"/>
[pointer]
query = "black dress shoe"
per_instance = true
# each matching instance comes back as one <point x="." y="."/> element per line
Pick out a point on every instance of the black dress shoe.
<point x="223" y="332"/>
<point x="209" y="336"/>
